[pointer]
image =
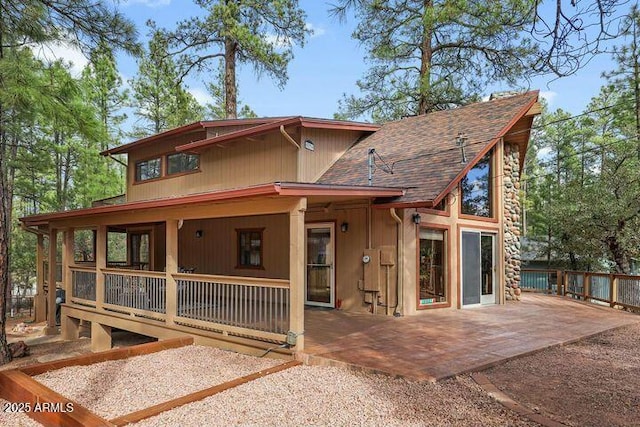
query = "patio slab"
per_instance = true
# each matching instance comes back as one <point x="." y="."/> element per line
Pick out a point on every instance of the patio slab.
<point x="440" y="344"/>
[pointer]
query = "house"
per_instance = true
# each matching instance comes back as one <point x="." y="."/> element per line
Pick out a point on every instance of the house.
<point x="230" y="228"/>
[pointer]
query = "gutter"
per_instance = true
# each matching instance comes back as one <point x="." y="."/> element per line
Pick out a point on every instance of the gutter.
<point x="399" y="269"/>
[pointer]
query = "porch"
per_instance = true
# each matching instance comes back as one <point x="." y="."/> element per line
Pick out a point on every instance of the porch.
<point x="451" y="342"/>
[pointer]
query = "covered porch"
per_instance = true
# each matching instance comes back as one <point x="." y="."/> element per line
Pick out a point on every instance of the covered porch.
<point x="227" y="268"/>
<point x="448" y="343"/>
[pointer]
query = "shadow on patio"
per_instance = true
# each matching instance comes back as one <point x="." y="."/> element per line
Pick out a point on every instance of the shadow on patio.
<point x="440" y="344"/>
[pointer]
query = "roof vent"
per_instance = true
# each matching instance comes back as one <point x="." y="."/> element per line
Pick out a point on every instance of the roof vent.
<point x="503" y="94"/>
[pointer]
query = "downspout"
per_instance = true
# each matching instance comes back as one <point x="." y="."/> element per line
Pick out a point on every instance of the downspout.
<point x="399" y="270"/>
<point x="117" y="160"/>
<point x="288" y="137"/>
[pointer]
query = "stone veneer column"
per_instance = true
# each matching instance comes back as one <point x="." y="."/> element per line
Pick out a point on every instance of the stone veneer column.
<point x="512" y="220"/>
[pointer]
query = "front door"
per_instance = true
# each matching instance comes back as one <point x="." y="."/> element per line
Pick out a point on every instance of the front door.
<point x="320" y="256"/>
<point x="478" y="268"/>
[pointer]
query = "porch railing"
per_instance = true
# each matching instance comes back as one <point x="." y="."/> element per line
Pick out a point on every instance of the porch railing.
<point x="141" y="293"/>
<point x="239" y="305"/>
<point x="83" y="285"/>
<point x="612" y="289"/>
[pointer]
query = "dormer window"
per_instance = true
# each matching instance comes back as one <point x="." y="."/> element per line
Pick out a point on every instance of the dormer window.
<point x="182" y="162"/>
<point x="148" y="169"/>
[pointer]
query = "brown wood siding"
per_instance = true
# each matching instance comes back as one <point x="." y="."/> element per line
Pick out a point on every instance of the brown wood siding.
<point x="329" y="145"/>
<point x="232" y="165"/>
<point x="216" y="251"/>
<point x="349" y="249"/>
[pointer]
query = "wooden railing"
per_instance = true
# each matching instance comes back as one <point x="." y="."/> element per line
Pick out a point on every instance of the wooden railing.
<point x="613" y="289"/>
<point x="135" y="292"/>
<point x="237" y="305"/>
<point x="83" y="285"/>
<point x="242" y="306"/>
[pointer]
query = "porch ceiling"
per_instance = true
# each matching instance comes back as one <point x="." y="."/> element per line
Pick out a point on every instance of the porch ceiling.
<point x="158" y="209"/>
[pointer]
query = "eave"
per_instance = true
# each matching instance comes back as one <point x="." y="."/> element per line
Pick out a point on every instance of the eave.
<point x="275" y="189"/>
<point x="275" y="125"/>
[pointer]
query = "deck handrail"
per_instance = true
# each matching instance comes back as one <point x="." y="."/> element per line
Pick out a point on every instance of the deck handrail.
<point x="235" y="280"/>
<point x="129" y="272"/>
<point x="611" y="288"/>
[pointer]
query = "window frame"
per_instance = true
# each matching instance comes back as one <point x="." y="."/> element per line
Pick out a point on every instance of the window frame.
<point x="136" y="177"/>
<point x="491" y="217"/>
<point x="243" y="231"/>
<point x="446" y="265"/>
<point x="183" y="171"/>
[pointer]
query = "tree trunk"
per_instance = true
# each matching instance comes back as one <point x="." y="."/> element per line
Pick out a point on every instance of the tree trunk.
<point x="230" y="88"/>
<point x="618" y="254"/>
<point x="425" y="104"/>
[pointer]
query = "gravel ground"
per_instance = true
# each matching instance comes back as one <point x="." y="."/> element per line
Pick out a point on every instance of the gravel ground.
<point x="594" y="382"/>
<point x="325" y="396"/>
<point x="14" y="419"/>
<point x="115" y="388"/>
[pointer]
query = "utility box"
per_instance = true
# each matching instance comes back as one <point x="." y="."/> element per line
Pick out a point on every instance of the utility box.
<point x="388" y="256"/>
<point x="371" y="263"/>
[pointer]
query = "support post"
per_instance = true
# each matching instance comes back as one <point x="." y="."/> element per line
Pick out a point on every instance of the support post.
<point x="100" y="337"/>
<point x="171" y="269"/>
<point x="586" y="286"/>
<point x="40" y="299"/>
<point x="51" y="328"/>
<point x="101" y="263"/>
<point x="67" y="285"/>
<point x="296" y="271"/>
<point x="613" y="295"/>
<point x="70" y="327"/>
<point x="560" y="283"/>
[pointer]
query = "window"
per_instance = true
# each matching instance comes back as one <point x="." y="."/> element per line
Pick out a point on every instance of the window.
<point x="250" y="248"/>
<point x="148" y="169"/>
<point x="432" y="282"/>
<point x="182" y="162"/>
<point x="475" y="190"/>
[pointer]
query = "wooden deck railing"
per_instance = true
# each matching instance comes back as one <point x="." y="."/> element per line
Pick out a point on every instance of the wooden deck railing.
<point x="83" y="285"/>
<point x="141" y="293"/>
<point x="238" y="305"/>
<point x="612" y="289"/>
<point x="243" y="306"/>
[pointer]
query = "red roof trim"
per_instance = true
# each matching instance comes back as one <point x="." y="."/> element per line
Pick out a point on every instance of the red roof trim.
<point x="481" y="154"/>
<point x="187" y="128"/>
<point x="272" y="126"/>
<point x="266" y="127"/>
<point x="272" y="189"/>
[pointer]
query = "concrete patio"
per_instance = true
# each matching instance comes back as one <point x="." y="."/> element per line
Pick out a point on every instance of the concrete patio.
<point x="441" y="344"/>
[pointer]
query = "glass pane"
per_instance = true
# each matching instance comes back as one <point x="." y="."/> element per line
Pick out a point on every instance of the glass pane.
<point x="181" y="162"/>
<point x="319" y="259"/>
<point x="486" y="250"/>
<point x="475" y="189"/>
<point x="148" y="169"/>
<point x="432" y="281"/>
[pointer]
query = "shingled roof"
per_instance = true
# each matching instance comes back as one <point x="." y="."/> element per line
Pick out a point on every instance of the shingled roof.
<point x="422" y="150"/>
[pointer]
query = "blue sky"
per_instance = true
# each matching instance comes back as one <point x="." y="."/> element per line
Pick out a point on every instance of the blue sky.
<point x="328" y="66"/>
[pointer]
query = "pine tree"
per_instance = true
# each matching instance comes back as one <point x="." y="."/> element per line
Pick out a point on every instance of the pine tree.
<point x="261" y="34"/>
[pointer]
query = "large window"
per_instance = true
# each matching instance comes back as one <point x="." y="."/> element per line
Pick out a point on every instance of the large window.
<point x="181" y="162"/>
<point x="250" y="248"/>
<point x="475" y="190"/>
<point x="148" y="169"/>
<point x="432" y="282"/>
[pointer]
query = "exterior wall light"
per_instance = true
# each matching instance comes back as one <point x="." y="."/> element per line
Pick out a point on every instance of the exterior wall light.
<point x="344" y="227"/>
<point x="199" y="234"/>
<point x="416" y="218"/>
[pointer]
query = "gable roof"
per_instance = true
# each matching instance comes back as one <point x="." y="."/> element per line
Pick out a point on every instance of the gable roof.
<point x="422" y="150"/>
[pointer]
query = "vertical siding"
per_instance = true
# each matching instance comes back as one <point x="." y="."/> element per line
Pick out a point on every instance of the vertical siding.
<point x="216" y="251"/>
<point x="234" y="164"/>
<point x="329" y="146"/>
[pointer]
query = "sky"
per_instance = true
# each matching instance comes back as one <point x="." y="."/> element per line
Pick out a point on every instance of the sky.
<point x="326" y="68"/>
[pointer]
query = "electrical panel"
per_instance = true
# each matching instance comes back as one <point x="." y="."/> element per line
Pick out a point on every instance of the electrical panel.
<point x="388" y="256"/>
